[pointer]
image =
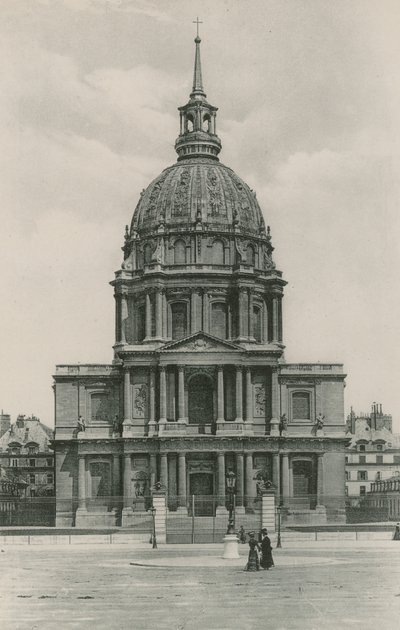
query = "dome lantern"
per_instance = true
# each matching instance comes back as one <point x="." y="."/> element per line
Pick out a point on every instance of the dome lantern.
<point x="197" y="135"/>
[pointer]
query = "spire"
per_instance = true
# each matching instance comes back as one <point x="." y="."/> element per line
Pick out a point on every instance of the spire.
<point x="198" y="89"/>
<point x="197" y="135"/>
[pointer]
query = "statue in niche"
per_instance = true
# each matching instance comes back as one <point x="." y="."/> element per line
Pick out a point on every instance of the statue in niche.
<point x="241" y="250"/>
<point x="158" y="255"/>
<point x="259" y="399"/>
<point x="116" y="427"/>
<point x="81" y="424"/>
<point x="319" y="423"/>
<point x="283" y="424"/>
<point x="263" y="483"/>
<point x="268" y="262"/>
<point x="140" y="400"/>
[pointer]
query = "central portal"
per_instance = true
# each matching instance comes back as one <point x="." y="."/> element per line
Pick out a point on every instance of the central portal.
<point x="201" y="395"/>
<point x="202" y="490"/>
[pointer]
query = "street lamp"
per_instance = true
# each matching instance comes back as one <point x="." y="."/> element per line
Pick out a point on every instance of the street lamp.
<point x="230" y="485"/>
<point x="153" y="536"/>
<point x="231" y="548"/>
<point x="279" y="510"/>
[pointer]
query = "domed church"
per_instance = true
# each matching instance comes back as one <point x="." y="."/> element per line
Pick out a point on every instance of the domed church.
<point x="198" y="385"/>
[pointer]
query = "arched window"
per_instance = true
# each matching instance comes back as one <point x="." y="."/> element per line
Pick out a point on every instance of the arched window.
<point x="189" y="124"/>
<point x="301" y="407"/>
<point x="179" y="320"/>
<point x="180" y="252"/>
<point x="218" y="253"/>
<point x="99" y="407"/>
<point x="250" y="257"/>
<point x="219" y="320"/>
<point x="147" y="251"/>
<point x="257" y="331"/>
<point x="206" y="123"/>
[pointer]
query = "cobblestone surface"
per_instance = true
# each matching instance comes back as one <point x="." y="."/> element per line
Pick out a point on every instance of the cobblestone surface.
<point x="95" y="586"/>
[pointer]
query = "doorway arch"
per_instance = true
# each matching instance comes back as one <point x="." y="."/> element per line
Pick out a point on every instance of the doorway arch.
<point x="201" y="401"/>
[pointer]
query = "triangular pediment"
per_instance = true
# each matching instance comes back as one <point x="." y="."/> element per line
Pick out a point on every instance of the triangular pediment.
<point x="200" y="342"/>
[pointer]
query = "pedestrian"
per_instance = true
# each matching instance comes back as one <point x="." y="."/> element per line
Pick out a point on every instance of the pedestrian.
<point x="242" y="535"/>
<point x="396" y="535"/>
<point x="253" y="562"/>
<point x="267" y="560"/>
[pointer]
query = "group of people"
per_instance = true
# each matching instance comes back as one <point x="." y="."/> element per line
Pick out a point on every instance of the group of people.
<point x="260" y="552"/>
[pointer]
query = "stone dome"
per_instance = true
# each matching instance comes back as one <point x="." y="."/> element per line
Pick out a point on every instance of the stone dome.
<point x="198" y="190"/>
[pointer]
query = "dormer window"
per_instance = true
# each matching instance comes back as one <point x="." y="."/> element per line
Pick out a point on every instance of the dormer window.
<point x="361" y="448"/>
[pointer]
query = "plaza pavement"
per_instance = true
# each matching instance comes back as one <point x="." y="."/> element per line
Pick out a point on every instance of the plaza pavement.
<point x="327" y="585"/>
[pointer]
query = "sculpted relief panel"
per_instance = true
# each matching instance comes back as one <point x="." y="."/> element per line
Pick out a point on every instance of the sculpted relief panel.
<point x="140" y="398"/>
<point x="259" y="400"/>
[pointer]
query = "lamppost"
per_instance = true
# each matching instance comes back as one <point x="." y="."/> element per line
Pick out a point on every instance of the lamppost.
<point x="231" y="541"/>
<point x="279" y="510"/>
<point x="153" y="515"/>
<point x="230" y="486"/>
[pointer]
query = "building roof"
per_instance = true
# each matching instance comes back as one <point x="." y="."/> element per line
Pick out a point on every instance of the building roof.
<point x="365" y="433"/>
<point x="27" y="431"/>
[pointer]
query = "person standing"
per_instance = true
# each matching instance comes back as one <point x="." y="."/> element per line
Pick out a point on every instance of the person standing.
<point x="253" y="562"/>
<point x="266" y="550"/>
<point x="396" y="535"/>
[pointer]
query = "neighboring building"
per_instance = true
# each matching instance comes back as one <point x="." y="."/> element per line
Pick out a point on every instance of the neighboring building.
<point x="373" y="454"/>
<point x="198" y="384"/>
<point x="5" y="422"/>
<point x="9" y="496"/>
<point x="384" y="497"/>
<point x="26" y="458"/>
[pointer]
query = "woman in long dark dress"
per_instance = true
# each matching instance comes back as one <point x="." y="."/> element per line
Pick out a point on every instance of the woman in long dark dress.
<point x="267" y="560"/>
<point x="396" y="535"/>
<point x="253" y="562"/>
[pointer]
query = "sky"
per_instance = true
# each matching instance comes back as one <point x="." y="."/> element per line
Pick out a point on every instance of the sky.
<point x="309" y="116"/>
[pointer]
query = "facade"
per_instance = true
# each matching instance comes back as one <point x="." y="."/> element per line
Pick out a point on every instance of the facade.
<point x="198" y="384"/>
<point x="26" y="458"/>
<point x="373" y="454"/>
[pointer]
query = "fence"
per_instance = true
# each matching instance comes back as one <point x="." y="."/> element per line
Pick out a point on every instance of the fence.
<point x="196" y="518"/>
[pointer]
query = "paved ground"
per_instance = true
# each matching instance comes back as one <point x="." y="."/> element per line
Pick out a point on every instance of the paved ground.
<point x="95" y="586"/>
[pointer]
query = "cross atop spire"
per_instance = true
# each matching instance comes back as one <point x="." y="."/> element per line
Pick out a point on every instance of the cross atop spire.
<point x="198" y="89"/>
<point x="197" y="22"/>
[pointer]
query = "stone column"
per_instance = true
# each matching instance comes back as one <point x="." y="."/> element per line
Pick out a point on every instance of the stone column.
<point x="290" y="477"/>
<point x="181" y="395"/>
<point x="127" y="398"/>
<point x="116" y="477"/>
<point x="172" y="482"/>
<point x="152" y="401"/>
<point x="243" y="313"/>
<point x="164" y="470"/>
<point x="275" y="402"/>
<point x="127" y="481"/>
<point x="320" y="479"/>
<point x="285" y="478"/>
<point x="117" y="318"/>
<point x="275" y="319"/>
<point x="159" y="314"/>
<point x="81" y="482"/>
<point x="205" y="312"/>
<point x="193" y="311"/>
<point x="276" y="475"/>
<point x="220" y="395"/>
<point x="221" y="482"/>
<point x="148" y="315"/>
<point x="280" y="327"/>
<point x="164" y="315"/>
<point x="265" y="321"/>
<point x="153" y="470"/>
<point x="123" y="311"/>
<point x="181" y="482"/>
<point x="249" y="486"/>
<point x="249" y="396"/>
<point x="239" y="483"/>
<point x="163" y="395"/>
<point x="251" y="318"/>
<point x="239" y="396"/>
